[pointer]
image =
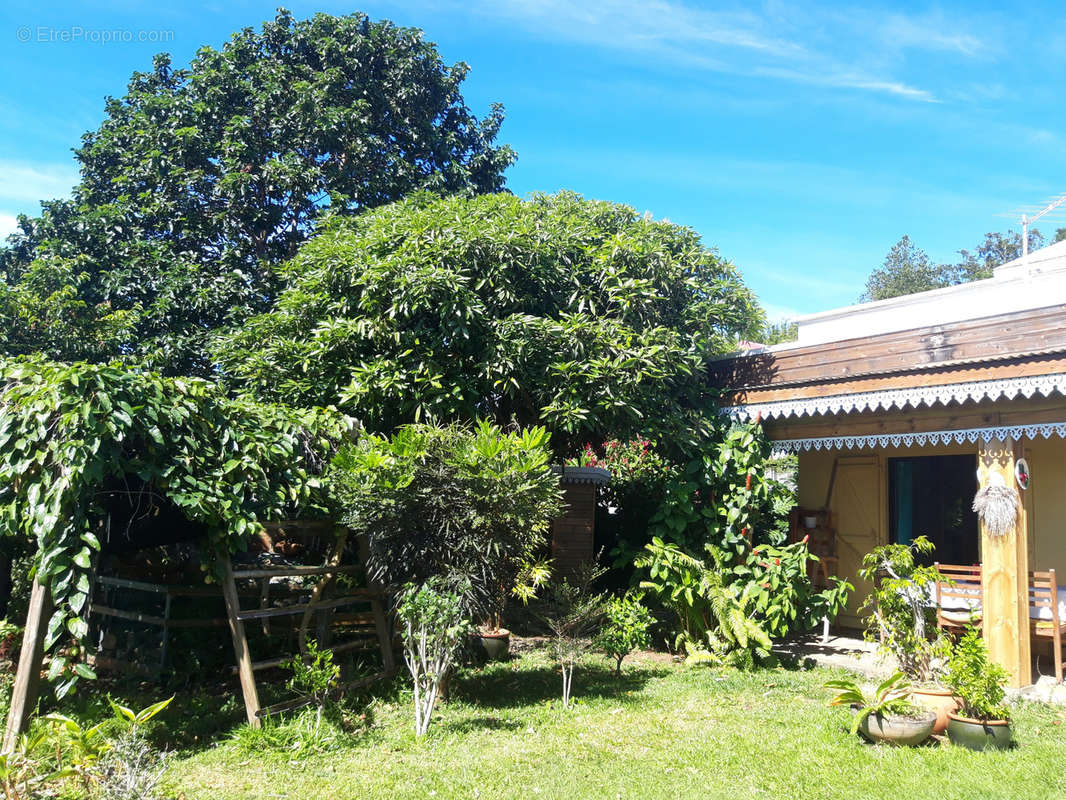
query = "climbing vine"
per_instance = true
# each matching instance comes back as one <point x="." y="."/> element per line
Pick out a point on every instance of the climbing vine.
<point x="75" y="436"/>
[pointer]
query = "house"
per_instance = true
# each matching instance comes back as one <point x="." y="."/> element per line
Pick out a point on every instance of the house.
<point x="900" y="410"/>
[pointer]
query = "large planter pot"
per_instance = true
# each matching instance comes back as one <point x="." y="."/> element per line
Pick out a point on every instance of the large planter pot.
<point x="940" y="701"/>
<point x="899" y="730"/>
<point x="496" y="644"/>
<point x="979" y="734"/>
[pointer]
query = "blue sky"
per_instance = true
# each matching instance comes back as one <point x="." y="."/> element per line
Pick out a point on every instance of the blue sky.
<point x="800" y="139"/>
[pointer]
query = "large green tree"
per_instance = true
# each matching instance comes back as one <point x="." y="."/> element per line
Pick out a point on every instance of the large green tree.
<point x="907" y="269"/>
<point x="580" y="315"/>
<point x="200" y="180"/>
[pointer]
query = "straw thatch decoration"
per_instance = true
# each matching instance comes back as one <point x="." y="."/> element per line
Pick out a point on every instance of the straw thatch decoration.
<point x="997" y="506"/>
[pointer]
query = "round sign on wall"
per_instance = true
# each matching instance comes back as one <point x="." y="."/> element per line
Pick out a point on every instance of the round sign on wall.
<point x="1021" y="473"/>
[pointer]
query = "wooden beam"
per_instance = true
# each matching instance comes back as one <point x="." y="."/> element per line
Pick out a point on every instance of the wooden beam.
<point x="28" y="676"/>
<point x="240" y="643"/>
<point x="377" y="606"/>
<point x="1005" y="573"/>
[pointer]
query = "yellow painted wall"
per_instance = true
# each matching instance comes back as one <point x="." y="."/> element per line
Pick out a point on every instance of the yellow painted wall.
<point x="1047" y="505"/>
<point x="860" y="502"/>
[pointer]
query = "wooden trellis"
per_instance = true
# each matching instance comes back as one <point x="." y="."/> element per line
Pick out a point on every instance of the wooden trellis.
<point x="373" y="595"/>
<point x="323" y="609"/>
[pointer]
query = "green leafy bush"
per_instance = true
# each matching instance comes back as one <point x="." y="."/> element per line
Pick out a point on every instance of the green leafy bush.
<point x="314" y="675"/>
<point x="81" y="444"/>
<point x="471" y="504"/>
<point x="571" y="614"/>
<point x="715" y="620"/>
<point x="899" y="615"/>
<point x="975" y="679"/>
<point x="433" y="624"/>
<point x="626" y="628"/>
<point x="783" y="598"/>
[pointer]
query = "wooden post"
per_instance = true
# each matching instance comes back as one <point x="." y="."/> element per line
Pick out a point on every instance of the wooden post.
<point x="28" y="676"/>
<point x="240" y="644"/>
<point x="377" y="606"/>
<point x="1005" y="573"/>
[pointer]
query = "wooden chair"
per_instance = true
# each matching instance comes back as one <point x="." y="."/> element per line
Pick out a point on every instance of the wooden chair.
<point x="957" y="597"/>
<point x="1044" y="618"/>
<point x="821" y="543"/>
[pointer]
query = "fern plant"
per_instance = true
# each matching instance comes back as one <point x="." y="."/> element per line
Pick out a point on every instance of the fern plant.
<point x="714" y="617"/>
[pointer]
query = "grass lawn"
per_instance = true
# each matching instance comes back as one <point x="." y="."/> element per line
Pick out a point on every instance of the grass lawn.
<point x="659" y="731"/>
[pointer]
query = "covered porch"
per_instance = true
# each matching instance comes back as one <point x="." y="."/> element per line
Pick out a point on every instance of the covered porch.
<point x="899" y="411"/>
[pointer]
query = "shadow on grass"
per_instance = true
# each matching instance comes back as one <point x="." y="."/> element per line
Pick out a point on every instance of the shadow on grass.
<point x="472" y="724"/>
<point x="499" y="686"/>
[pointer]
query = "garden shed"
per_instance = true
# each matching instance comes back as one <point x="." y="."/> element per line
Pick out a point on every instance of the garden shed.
<point x="901" y="410"/>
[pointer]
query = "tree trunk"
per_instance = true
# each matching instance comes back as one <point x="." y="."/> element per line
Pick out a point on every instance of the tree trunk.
<point x="5" y="583"/>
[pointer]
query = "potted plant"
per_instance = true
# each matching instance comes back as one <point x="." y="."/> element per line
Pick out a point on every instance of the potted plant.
<point x="886" y="716"/>
<point x="902" y="620"/>
<point x="494" y="639"/>
<point x="982" y="722"/>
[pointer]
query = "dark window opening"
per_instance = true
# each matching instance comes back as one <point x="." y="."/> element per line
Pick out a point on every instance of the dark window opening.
<point x="932" y="496"/>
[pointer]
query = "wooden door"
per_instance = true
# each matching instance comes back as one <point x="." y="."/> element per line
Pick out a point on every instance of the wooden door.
<point x="856" y="502"/>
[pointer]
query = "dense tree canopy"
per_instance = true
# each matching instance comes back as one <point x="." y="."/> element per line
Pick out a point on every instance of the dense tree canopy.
<point x="907" y="269"/>
<point x="199" y="180"/>
<point x="583" y="316"/>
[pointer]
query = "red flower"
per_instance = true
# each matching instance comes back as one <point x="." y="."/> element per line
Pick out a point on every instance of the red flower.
<point x="766" y="586"/>
<point x="777" y="561"/>
<point x="747" y="483"/>
<point x="806" y="538"/>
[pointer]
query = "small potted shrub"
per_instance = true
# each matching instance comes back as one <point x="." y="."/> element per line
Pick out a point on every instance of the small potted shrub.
<point x="982" y="722"/>
<point x="886" y="716"/>
<point x="902" y="620"/>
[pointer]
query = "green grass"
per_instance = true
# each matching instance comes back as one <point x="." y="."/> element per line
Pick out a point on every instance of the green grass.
<point x="660" y="731"/>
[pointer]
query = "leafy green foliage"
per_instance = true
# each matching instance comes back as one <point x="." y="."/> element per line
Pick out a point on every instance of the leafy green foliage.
<point x="907" y="269"/>
<point x="722" y="496"/>
<point x="25" y="771"/>
<point x="578" y="315"/>
<point x="314" y="675"/>
<point x="899" y="616"/>
<point x="433" y="623"/>
<point x="466" y="503"/>
<point x="81" y="445"/>
<point x="714" y="616"/>
<point x="783" y="598"/>
<point x="199" y="180"/>
<point x="975" y="679"/>
<point x="626" y="628"/>
<point x="571" y="614"/>
<point x="890" y="697"/>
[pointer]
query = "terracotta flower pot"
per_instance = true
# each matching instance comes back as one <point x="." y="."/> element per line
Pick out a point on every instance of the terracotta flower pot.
<point x="496" y="644"/>
<point x="897" y="729"/>
<point x="979" y="734"/>
<point x="936" y="699"/>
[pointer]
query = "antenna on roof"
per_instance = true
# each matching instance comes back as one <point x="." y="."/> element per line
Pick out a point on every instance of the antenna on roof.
<point x="1026" y="220"/>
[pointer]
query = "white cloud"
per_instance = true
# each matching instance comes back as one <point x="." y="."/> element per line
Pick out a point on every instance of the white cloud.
<point x="934" y="32"/>
<point x="24" y="183"/>
<point x="778" y="43"/>
<point x="8" y="224"/>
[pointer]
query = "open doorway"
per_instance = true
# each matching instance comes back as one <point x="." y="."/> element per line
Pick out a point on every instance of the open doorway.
<point x="932" y="496"/>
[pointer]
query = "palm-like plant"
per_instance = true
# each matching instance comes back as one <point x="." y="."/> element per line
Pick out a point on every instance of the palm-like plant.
<point x="889" y="697"/>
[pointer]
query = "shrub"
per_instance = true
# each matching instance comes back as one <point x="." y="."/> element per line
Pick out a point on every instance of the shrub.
<point x="470" y="504"/>
<point x="715" y="618"/>
<point x="315" y="675"/>
<point x="571" y="615"/>
<point x="900" y="617"/>
<point x="434" y="625"/>
<point x="975" y="679"/>
<point x="783" y="597"/>
<point x="625" y="628"/>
